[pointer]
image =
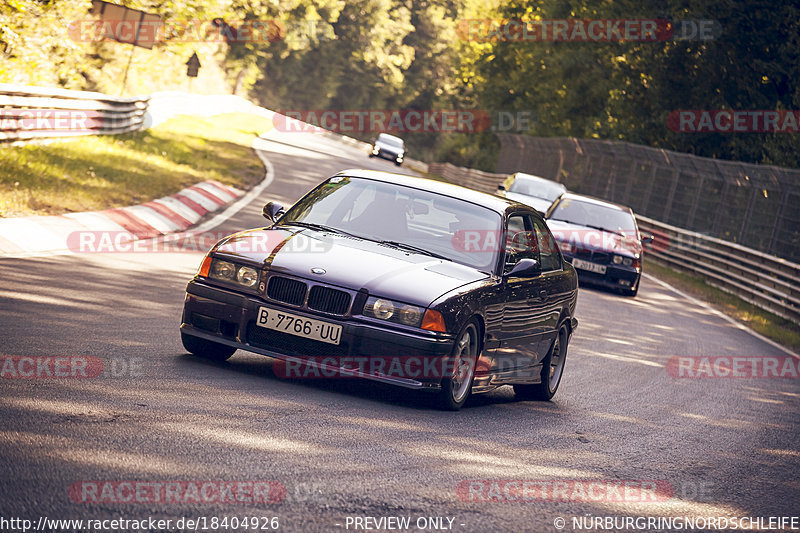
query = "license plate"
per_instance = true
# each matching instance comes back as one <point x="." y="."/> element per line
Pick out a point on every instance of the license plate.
<point x="587" y="265"/>
<point x="300" y="326"/>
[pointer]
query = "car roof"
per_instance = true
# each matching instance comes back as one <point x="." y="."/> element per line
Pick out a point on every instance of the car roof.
<point x="495" y="203"/>
<point x="533" y="177"/>
<point x="387" y="136"/>
<point x="595" y="201"/>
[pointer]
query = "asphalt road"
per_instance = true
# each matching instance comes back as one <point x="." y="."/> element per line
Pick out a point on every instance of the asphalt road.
<point x="348" y="449"/>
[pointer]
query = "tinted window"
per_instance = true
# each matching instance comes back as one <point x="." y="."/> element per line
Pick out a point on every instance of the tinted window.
<point x="391" y="141"/>
<point x="520" y="240"/>
<point x="463" y="232"/>
<point x="549" y="256"/>
<point x="540" y="188"/>
<point x="591" y="214"/>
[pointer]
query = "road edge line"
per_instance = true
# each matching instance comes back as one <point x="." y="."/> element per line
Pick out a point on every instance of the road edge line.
<point x="722" y="315"/>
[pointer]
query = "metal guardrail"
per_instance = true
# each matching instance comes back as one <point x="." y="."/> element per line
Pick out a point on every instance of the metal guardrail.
<point x="757" y="206"/>
<point x="467" y="177"/>
<point x="766" y="281"/>
<point x="30" y="113"/>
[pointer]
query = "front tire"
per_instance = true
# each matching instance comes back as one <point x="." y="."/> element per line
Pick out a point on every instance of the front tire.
<point x="552" y="371"/>
<point x="206" y="349"/>
<point x="456" y="388"/>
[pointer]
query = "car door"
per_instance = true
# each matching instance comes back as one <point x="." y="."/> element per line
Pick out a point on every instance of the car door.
<point x="524" y="315"/>
<point x="553" y="289"/>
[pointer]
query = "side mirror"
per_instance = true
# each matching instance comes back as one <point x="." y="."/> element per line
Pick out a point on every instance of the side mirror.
<point x="647" y="238"/>
<point x="272" y="211"/>
<point x="501" y="187"/>
<point x="525" y="268"/>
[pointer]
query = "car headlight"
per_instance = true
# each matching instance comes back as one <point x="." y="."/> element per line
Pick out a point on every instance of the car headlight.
<point x="247" y="276"/>
<point x="222" y="269"/>
<point x="617" y="259"/>
<point x="627" y="261"/>
<point x="410" y="315"/>
<point x="622" y="260"/>
<point x="228" y="271"/>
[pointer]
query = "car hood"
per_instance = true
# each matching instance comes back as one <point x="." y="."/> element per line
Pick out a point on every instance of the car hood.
<point x="540" y="204"/>
<point x="349" y="262"/>
<point x="594" y="239"/>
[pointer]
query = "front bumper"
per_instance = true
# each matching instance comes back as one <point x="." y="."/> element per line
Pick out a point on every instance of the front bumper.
<point x="228" y="317"/>
<point x="616" y="276"/>
<point x="387" y="154"/>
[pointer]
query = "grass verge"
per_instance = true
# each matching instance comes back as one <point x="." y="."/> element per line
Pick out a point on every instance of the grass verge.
<point x="102" y="171"/>
<point x="771" y="326"/>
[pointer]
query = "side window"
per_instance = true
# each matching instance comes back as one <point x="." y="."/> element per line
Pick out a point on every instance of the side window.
<point x="520" y="240"/>
<point x="548" y="249"/>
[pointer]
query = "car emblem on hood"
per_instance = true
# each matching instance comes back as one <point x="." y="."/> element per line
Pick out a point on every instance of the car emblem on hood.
<point x="317" y="270"/>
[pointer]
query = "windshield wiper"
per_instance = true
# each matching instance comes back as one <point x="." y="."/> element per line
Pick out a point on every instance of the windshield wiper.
<point x="412" y="248"/>
<point x="320" y="227"/>
<point x="618" y="232"/>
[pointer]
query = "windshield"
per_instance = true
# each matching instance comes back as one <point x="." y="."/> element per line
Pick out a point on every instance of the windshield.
<point x="538" y="187"/>
<point x="381" y="211"/>
<point x="391" y="141"/>
<point x="591" y="214"/>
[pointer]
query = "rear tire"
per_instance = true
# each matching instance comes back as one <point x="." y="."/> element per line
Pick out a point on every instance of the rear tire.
<point x="552" y="371"/>
<point x="456" y="388"/>
<point x="206" y="349"/>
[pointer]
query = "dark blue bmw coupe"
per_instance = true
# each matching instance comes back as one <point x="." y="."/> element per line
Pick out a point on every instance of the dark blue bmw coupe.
<point x="402" y="280"/>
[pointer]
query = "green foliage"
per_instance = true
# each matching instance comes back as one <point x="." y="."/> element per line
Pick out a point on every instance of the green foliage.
<point x="626" y="90"/>
<point x="105" y="171"/>
<point x="415" y="54"/>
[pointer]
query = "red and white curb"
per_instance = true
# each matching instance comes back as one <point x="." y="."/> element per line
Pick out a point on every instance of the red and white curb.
<point x="171" y="214"/>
